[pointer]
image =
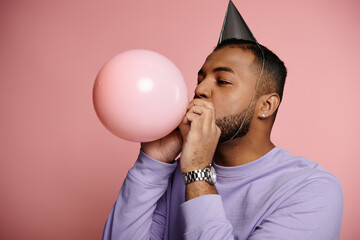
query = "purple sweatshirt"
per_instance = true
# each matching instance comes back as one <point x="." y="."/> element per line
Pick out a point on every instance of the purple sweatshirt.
<point x="278" y="196"/>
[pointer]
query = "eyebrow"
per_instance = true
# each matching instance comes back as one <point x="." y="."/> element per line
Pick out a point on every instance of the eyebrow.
<point x="218" y="69"/>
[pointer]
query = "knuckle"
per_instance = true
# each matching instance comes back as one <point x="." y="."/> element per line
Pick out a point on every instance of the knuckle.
<point x="189" y="116"/>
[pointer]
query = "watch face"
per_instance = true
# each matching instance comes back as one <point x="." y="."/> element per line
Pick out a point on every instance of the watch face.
<point x="212" y="175"/>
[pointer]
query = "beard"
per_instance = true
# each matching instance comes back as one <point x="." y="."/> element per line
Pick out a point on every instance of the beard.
<point x="235" y="126"/>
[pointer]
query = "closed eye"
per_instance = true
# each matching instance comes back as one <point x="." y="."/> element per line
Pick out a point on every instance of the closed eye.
<point x="221" y="82"/>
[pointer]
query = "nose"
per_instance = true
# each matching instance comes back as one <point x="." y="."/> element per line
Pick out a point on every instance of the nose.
<point x="203" y="90"/>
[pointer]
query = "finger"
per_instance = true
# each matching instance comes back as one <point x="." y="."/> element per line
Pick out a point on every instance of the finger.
<point x="204" y="122"/>
<point x="197" y="109"/>
<point x="191" y="117"/>
<point x="206" y="113"/>
<point x="190" y="105"/>
<point x="185" y="121"/>
<point x="202" y="102"/>
<point x="207" y="104"/>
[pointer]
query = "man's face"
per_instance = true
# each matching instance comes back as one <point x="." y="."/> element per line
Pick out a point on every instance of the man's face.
<point x="226" y="80"/>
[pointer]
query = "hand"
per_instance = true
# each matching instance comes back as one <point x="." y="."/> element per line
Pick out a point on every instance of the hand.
<point x="200" y="135"/>
<point x="165" y="149"/>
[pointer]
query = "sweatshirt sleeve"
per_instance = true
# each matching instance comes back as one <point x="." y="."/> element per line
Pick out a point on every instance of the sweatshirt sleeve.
<point x="205" y="218"/>
<point x="132" y="215"/>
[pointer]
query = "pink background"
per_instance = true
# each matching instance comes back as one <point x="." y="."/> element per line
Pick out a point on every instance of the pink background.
<point x="61" y="170"/>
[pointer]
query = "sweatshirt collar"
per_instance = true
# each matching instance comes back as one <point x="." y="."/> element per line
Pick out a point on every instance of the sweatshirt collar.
<point x="248" y="168"/>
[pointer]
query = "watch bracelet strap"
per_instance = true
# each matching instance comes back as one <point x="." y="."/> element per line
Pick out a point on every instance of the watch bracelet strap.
<point x="196" y="175"/>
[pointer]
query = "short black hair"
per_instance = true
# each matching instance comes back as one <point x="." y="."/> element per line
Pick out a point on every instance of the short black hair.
<point x="274" y="73"/>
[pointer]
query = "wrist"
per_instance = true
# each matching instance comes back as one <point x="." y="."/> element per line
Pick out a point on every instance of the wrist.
<point x="199" y="188"/>
<point x="157" y="157"/>
<point x="193" y="168"/>
<point x="188" y="164"/>
<point x="195" y="158"/>
<point x="207" y="174"/>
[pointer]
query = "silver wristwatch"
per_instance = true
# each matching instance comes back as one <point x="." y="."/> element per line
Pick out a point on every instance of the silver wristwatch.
<point x="208" y="174"/>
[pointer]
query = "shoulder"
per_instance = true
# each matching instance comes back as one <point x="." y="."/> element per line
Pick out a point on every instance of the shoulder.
<point x="299" y="175"/>
<point x="309" y="200"/>
<point x="298" y="165"/>
<point x="309" y="180"/>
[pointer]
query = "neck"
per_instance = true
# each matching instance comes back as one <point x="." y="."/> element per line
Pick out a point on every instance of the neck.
<point x="242" y="150"/>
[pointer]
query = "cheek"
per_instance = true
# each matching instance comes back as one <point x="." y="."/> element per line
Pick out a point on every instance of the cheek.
<point x="232" y="103"/>
<point x="228" y="106"/>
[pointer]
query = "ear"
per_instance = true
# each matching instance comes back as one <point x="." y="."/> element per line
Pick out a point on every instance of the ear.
<point x="267" y="105"/>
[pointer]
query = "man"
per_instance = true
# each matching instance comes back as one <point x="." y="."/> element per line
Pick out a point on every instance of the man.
<point x="261" y="191"/>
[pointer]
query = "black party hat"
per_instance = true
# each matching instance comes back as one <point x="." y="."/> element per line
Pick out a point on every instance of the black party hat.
<point x="234" y="26"/>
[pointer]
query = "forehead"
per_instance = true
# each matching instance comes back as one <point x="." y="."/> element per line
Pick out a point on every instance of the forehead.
<point x="239" y="60"/>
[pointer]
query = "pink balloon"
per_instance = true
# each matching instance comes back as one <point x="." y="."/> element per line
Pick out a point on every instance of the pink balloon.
<point x="140" y="95"/>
